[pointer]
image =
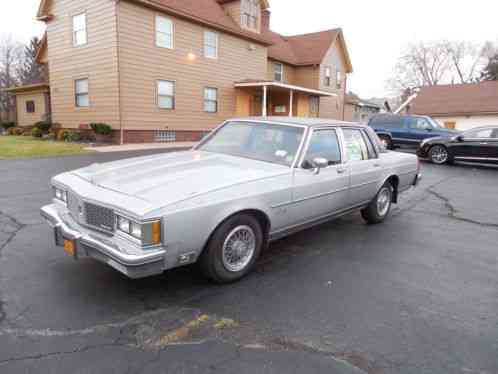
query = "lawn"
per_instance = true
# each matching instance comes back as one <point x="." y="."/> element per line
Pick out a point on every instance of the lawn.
<point x="25" y="146"/>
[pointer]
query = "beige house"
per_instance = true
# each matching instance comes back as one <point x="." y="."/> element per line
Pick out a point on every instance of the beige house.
<point x="170" y="70"/>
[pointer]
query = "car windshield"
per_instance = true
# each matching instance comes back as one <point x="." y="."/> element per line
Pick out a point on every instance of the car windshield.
<point x="277" y="144"/>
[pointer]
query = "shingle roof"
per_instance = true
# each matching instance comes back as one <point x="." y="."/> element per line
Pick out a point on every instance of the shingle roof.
<point x="458" y="99"/>
<point x="306" y="49"/>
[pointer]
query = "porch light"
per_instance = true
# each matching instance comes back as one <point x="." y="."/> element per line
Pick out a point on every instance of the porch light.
<point x="191" y="56"/>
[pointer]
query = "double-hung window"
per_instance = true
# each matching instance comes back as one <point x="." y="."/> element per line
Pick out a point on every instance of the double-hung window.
<point x="164" y="32"/>
<point x="79" y="29"/>
<point x="327" y="76"/>
<point x="278" y="70"/>
<point x="30" y="106"/>
<point x="249" y="14"/>
<point x="338" y="78"/>
<point x="210" y="44"/>
<point x="211" y="100"/>
<point x="81" y="97"/>
<point x="166" y="94"/>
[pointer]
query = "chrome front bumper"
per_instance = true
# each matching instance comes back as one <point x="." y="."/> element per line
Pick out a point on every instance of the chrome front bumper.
<point x="86" y="245"/>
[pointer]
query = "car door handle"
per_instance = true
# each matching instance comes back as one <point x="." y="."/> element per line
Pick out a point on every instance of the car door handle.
<point x="483" y="143"/>
<point x="377" y="165"/>
<point x="342" y="169"/>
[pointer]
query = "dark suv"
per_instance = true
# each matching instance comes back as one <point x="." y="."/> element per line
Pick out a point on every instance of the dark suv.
<point x="395" y="129"/>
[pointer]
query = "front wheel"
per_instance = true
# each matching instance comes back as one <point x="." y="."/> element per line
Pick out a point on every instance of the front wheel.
<point x="380" y="206"/>
<point x="439" y="155"/>
<point x="233" y="249"/>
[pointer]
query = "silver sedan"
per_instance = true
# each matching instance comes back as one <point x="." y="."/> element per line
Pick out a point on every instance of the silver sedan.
<point x="251" y="181"/>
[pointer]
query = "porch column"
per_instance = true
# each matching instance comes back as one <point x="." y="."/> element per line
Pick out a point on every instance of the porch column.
<point x="265" y="99"/>
<point x="291" y="102"/>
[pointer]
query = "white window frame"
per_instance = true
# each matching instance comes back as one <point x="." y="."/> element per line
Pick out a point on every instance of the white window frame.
<point x="173" y="96"/>
<point x="249" y="14"/>
<point x="327" y="73"/>
<point x="76" y="31"/>
<point x="338" y="78"/>
<point x="207" y="45"/>
<point x="77" y="94"/>
<point x="278" y="69"/>
<point x="206" y="100"/>
<point x="170" y="32"/>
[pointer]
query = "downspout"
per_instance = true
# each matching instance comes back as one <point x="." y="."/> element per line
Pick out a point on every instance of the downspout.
<point x="120" y="114"/>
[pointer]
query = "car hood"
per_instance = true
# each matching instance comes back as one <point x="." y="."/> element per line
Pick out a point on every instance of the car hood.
<point x="169" y="178"/>
<point x="447" y="133"/>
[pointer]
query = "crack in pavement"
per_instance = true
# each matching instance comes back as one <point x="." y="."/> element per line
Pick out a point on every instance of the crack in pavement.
<point x="453" y="212"/>
<point x="16" y="226"/>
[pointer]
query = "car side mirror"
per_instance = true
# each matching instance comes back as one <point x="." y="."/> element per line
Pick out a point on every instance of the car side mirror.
<point x="459" y="138"/>
<point x="319" y="163"/>
<point x="429" y="129"/>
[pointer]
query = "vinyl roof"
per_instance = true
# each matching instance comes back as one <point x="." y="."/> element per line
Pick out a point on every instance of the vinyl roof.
<point x="308" y="122"/>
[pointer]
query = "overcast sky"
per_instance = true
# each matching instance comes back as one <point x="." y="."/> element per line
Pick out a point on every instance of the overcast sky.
<point x="375" y="31"/>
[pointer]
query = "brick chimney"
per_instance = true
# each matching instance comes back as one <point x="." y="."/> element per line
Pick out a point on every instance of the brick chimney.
<point x="265" y="19"/>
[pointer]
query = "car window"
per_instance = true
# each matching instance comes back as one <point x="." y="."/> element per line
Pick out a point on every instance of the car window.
<point x="372" y="153"/>
<point x="325" y="144"/>
<point x="479" y="134"/>
<point x="418" y="123"/>
<point x="356" y="147"/>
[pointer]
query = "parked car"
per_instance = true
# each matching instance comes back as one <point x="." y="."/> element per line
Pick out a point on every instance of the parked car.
<point x="395" y="130"/>
<point x="475" y="145"/>
<point x="249" y="182"/>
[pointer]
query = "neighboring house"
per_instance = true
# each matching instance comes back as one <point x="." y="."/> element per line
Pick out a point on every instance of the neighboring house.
<point x="32" y="103"/>
<point x="358" y="110"/>
<point x="170" y="70"/>
<point x="459" y="106"/>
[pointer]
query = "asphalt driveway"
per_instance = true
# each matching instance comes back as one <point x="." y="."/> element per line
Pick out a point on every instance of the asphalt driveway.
<point x="417" y="294"/>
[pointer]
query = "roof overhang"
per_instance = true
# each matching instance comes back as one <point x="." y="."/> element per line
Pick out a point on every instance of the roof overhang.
<point x="41" y="53"/>
<point x="43" y="87"/>
<point x="289" y="87"/>
<point x="43" y="14"/>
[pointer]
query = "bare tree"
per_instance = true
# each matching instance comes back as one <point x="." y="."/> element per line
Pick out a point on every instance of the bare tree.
<point x="422" y="64"/>
<point x="10" y="58"/>
<point x="467" y="59"/>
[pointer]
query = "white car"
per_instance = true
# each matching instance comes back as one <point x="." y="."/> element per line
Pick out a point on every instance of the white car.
<point x="251" y="181"/>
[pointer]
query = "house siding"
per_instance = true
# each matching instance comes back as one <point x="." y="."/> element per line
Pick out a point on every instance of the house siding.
<point x="469" y="122"/>
<point x="29" y="119"/>
<point x="141" y="64"/>
<point x="97" y="61"/>
<point x="333" y="107"/>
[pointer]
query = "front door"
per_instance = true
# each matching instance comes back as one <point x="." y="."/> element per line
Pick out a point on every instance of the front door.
<point x="477" y="145"/>
<point x="419" y="129"/>
<point x="364" y="164"/>
<point x="316" y="195"/>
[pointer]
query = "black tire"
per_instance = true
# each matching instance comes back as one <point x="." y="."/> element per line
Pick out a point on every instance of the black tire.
<point x="387" y="141"/>
<point x="211" y="261"/>
<point x="372" y="214"/>
<point x="439" y="155"/>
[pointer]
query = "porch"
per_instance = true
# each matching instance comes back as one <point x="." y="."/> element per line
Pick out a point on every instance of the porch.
<point x="268" y="98"/>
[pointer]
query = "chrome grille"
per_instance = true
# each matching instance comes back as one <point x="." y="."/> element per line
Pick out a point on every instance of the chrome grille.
<point x="99" y="217"/>
<point x="73" y="205"/>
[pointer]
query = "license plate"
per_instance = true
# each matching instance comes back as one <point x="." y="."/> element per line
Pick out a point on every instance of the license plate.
<point x="69" y="247"/>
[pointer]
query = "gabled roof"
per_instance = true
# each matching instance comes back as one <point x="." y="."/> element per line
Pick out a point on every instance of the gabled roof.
<point x="207" y="12"/>
<point x="457" y="99"/>
<point x="264" y="3"/>
<point x="43" y="8"/>
<point x="306" y="49"/>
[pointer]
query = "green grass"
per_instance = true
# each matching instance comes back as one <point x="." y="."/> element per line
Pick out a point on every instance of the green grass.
<point x="12" y="147"/>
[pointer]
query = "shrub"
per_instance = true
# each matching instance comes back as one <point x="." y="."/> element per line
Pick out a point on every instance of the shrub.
<point x="15" y="131"/>
<point x="36" y="132"/>
<point x="101" y="128"/>
<point x="44" y="126"/>
<point x="7" y="125"/>
<point x="51" y="135"/>
<point x="61" y="135"/>
<point x="72" y="136"/>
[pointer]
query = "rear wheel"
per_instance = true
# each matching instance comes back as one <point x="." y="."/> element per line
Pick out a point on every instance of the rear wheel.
<point x="233" y="249"/>
<point x="386" y="141"/>
<point x="380" y="206"/>
<point x="438" y="154"/>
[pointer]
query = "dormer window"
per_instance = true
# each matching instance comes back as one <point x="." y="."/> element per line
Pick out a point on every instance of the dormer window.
<point x="250" y="14"/>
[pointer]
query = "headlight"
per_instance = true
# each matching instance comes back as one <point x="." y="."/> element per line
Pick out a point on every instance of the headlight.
<point x="148" y="233"/>
<point x="60" y="195"/>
